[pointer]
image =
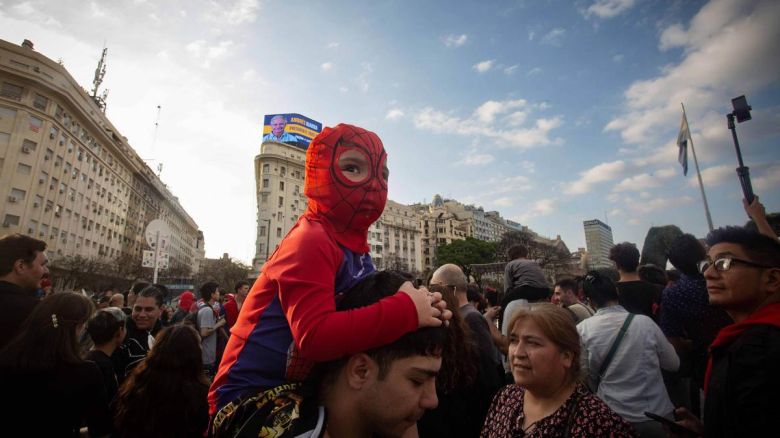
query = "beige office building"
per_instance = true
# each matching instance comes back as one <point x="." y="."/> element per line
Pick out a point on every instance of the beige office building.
<point x="279" y="175"/>
<point x="398" y="230"/>
<point x="68" y="177"/>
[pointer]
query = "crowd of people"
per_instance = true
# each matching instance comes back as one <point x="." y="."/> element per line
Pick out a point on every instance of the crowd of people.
<point x="322" y="344"/>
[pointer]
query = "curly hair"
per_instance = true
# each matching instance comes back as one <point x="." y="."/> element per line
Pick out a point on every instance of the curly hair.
<point x="625" y="255"/>
<point x="168" y="384"/>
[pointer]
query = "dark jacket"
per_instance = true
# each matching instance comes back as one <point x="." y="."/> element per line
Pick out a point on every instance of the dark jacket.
<point x="133" y="349"/>
<point x="16" y="305"/>
<point x="743" y="390"/>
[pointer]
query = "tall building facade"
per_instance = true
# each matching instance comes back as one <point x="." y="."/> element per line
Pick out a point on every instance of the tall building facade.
<point x="399" y="229"/>
<point x="70" y="178"/>
<point x="598" y="240"/>
<point x="279" y="176"/>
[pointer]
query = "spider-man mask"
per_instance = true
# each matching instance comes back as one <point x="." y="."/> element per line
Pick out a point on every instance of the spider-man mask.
<point x="346" y="182"/>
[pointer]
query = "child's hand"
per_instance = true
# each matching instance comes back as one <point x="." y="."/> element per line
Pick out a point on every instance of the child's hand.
<point x="429" y="306"/>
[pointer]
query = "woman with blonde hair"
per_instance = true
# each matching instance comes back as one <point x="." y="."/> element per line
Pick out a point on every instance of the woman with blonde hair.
<point x="548" y="398"/>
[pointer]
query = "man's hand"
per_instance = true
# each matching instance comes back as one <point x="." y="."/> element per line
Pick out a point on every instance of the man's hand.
<point x="220" y="322"/>
<point x="492" y="313"/>
<point x="431" y="308"/>
<point x="757" y="212"/>
<point x="688" y="421"/>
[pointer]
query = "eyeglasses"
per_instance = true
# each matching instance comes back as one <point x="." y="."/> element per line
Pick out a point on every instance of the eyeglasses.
<point x="724" y="264"/>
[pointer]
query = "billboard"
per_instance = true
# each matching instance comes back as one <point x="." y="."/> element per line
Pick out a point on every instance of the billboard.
<point x="293" y="129"/>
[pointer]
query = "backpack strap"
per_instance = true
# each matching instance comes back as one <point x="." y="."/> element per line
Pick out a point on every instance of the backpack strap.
<point x="613" y="349"/>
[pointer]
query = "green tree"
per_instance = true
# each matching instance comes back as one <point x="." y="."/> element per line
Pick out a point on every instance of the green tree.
<point x="466" y="252"/>
<point x="657" y="244"/>
<point x="225" y="271"/>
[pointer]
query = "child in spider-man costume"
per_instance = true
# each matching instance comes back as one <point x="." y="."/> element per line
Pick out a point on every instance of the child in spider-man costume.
<point x="293" y="302"/>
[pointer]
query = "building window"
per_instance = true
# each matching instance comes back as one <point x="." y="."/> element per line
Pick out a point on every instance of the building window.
<point x="7" y="113"/>
<point x="278" y="232"/>
<point x="29" y="145"/>
<point x="11" y="220"/>
<point x="264" y="198"/>
<point x="281" y="185"/>
<point x="11" y="91"/>
<point x="23" y="169"/>
<point x="17" y="195"/>
<point x="283" y="171"/>
<point x="262" y="231"/>
<point x="265" y="183"/>
<point x="35" y="124"/>
<point x="266" y="168"/>
<point x="40" y="102"/>
<point x="281" y="201"/>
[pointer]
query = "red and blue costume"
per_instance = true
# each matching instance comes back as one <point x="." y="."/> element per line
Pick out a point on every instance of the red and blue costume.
<point x="292" y="305"/>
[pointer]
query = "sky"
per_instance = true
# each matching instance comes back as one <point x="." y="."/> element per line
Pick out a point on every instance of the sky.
<point x="549" y="111"/>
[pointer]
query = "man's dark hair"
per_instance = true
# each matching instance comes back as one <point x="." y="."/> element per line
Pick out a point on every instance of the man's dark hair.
<point x="652" y="274"/>
<point x="569" y="284"/>
<point x="673" y="274"/>
<point x="625" y="255"/>
<point x="153" y="292"/>
<point x="685" y="253"/>
<point x="429" y="341"/>
<point x="241" y="284"/>
<point x="758" y="247"/>
<point x="18" y="246"/>
<point x="207" y="290"/>
<point x="104" y="325"/>
<point x="138" y="286"/>
<point x="517" y="251"/>
<point x="599" y="289"/>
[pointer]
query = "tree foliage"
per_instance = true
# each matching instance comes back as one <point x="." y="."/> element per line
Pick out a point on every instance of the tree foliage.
<point x="465" y="253"/>
<point x="225" y="271"/>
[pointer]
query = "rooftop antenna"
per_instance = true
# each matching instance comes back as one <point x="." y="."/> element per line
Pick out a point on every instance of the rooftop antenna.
<point x="100" y="72"/>
<point x="606" y="218"/>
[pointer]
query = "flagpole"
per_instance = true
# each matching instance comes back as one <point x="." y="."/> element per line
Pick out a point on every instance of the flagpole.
<point x="698" y="173"/>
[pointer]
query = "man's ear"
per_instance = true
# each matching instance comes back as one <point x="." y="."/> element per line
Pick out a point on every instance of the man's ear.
<point x="773" y="281"/>
<point x="19" y="266"/>
<point x="360" y="369"/>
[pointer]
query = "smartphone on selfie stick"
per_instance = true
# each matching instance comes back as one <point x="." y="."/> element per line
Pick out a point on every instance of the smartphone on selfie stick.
<point x="674" y="427"/>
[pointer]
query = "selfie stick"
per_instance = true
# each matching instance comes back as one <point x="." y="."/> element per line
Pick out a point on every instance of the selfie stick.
<point x="741" y="113"/>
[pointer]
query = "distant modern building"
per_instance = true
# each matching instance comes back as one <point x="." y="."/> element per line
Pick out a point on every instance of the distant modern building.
<point x="69" y="178"/>
<point x="400" y="234"/>
<point x="598" y="240"/>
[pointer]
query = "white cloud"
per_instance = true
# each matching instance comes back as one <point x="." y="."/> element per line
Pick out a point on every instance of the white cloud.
<point x="473" y="158"/>
<point x="712" y="176"/>
<point x="730" y="48"/>
<point x="503" y="202"/>
<point x="333" y="45"/>
<point x="482" y="123"/>
<point x="609" y="8"/>
<point x="645" y="181"/>
<point x="531" y="35"/>
<point x="554" y="37"/>
<point x="541" y="207"/>
<point x="394" y="114"/>
<point x="645" y="206"/>
<point x="517" y="118"/>
<point x="455" y="40"/>
<point x="595" y="175"/>
<point x="509" y="71"/>
<point x="484" y="66"/>
<point x="534" y="71"/>
<point x="767" y="179"/>
<point x="24" y="8"/>
<point x="207" y="53"/>
<point x="326" y="66"/>
<point x="366" y="69"/>
<point x="618" y="58"/>
<point x="487" y="111"/>
<point x="234" y="13"/>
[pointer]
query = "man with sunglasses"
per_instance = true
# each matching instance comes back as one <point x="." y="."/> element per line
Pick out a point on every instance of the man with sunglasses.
<point x="742" y="384"/>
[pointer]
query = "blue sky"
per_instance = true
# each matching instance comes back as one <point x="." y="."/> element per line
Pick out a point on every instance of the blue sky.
<point x="551" y="112"/>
